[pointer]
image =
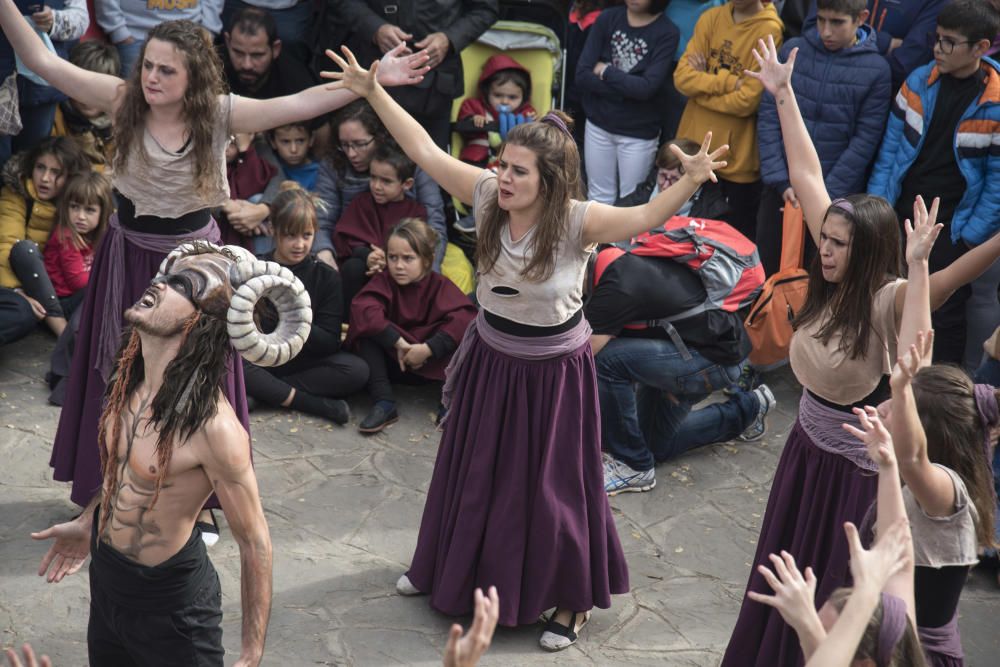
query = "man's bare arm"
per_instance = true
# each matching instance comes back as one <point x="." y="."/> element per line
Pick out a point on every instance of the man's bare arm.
<point x="227" y="464"/>
<point x="71" y="547"/>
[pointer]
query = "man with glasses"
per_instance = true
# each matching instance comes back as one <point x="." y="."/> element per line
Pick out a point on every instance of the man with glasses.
<point x="943" y="140"/>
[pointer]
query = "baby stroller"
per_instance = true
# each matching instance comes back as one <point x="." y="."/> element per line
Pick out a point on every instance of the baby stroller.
<point x="538" y="50"/>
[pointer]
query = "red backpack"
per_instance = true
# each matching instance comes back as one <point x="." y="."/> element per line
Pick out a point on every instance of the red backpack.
<point x="726" y="261"/>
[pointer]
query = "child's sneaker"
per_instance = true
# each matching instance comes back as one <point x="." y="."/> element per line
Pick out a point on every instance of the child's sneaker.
<point x="620" y="478"/>
<point x="758" y="427"/>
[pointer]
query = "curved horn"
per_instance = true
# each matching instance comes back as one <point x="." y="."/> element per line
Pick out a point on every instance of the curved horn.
<point x="185" y="248"/>
<point x="257" y="280"/>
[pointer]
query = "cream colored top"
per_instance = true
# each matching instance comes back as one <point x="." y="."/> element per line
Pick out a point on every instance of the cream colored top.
<point x="502" y="291"/>
<point x="940" y="541"/>
<point x="162" y="184"/>
<point x="830" y="373"/>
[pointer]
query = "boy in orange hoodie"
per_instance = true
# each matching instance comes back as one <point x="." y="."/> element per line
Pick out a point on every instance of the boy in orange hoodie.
<point x="724" y="100"/>
<point x="504" y="85"/>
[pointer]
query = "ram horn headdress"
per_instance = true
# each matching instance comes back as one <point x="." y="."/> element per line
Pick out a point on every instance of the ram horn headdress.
<point x="228" y="281"/>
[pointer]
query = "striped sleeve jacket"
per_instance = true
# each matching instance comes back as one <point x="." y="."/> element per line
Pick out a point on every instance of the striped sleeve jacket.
<point x="976" y="146"/>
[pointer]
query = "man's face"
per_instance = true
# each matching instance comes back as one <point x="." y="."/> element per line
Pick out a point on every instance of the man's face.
<point x="162" y="310"/>
<point x="837" y="30"/>
<point x="956" y="54"/>
<point x="251" y="56"/>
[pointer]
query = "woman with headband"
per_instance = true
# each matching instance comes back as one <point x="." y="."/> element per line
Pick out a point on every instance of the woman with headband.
<point x="517" y="496"/>
<point x="858" y="311"/>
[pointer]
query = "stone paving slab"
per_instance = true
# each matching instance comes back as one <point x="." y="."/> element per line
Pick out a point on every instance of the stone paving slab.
<point x="343" y="511"/>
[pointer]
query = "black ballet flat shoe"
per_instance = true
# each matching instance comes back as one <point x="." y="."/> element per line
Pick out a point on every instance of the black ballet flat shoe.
<point x="557" y="636"/>
<point x="378" y="419"/>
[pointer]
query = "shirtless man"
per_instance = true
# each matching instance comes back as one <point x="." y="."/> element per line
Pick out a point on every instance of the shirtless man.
<point x="173" y="439"/>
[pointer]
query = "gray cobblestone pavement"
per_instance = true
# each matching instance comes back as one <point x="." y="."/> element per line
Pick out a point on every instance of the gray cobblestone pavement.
<point x="343" y="511"/>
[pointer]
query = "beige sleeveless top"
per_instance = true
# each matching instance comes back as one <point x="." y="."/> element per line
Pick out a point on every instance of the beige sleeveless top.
<point x="830" y="373"/>
<point x="502" y="291"/>
<point x="162" y="183"/>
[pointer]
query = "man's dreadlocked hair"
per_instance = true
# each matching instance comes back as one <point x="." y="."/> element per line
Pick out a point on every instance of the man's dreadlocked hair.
<point x="183" y="404"/>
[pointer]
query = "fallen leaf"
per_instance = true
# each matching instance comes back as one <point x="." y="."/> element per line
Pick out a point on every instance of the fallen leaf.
<point x="679" y="550"/>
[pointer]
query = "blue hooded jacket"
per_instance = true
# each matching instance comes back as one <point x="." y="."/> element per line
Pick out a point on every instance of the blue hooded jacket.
<point x="844" y="98"/>
<point x="976" y="146"/>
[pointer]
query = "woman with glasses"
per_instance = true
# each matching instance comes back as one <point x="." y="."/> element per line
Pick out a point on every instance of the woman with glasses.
<point x="356" y="130"/>
<point x="859" y="311"/>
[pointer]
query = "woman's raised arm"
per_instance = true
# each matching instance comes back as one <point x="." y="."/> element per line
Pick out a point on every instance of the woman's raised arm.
<point x="95" y="90"/>
<point x="251" y="115"/>
<point x="804" y="169"/>
<point x="455" y="176"/>
<point x="607" y="224"/>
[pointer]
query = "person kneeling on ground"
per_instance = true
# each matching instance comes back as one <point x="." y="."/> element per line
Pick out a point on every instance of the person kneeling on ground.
<point x="675" y="365"/>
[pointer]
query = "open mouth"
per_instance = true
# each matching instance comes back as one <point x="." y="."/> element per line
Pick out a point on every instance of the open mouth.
<point x="148" y="299"/>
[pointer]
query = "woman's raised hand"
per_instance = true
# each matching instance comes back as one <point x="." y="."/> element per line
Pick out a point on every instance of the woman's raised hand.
<point x="794" y="595"/>
<point x="909" y="363"/>
<point x="702" y="165"/>
<point x="922" y="232"/>
<point x="873" y="433"/>
<point x="398" y="67"/>
<point x="773" y="74"/>
<point x="892" y="552"/>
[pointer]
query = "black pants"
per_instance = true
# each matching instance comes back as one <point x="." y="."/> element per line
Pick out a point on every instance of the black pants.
<point x="17" y="320"/>
<point x="28" y="265"/>
<point x="383" y="370"/>
<point x="743" y="202"/>
<point x="352" y="279"/>
<point x="168" y="615"/>
<point x="336" y="376"/>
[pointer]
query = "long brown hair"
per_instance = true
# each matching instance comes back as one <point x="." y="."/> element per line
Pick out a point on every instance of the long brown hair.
<point x="89" y="188"/>
<point x="946" y="403"/>
<point x="201" y="102"/>
<point x="908" y="652"/>
<point x="558" y="163"/>
<point x="875" y="259"/>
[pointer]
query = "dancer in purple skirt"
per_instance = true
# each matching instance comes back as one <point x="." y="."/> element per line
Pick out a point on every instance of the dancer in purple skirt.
<point x="857" y="311"/>
<point x="172" y="124"/>
<point x="517" y="497"/>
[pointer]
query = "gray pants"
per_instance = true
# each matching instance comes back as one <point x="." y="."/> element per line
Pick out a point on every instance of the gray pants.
<point x="28" y="265"/>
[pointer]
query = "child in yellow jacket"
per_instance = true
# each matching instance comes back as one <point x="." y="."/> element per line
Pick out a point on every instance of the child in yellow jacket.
<point x="723" y="100"/>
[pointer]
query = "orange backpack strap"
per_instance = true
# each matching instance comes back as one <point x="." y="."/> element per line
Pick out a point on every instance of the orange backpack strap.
<point x="793" y="239"/>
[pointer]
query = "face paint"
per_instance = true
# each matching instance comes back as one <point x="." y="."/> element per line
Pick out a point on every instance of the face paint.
<point x="202" y="278"/>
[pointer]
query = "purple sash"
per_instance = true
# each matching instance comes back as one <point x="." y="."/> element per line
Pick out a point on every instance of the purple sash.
<point x="824" y="426"/>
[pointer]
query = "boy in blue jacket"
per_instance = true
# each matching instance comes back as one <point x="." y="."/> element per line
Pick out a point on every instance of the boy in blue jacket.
<point x="951" y="150"/>
<point x="901" y="30"/>
<point x="843" y="87"/>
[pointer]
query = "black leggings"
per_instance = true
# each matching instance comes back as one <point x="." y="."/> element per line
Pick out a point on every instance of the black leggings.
<point x="383" y="370"/>
<point x="29" y="266"/>
<point x="352" y="279"/>
<point x="335" y="376"/>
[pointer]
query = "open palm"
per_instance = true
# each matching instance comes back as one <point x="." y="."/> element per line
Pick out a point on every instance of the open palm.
<point x="702" y="165"/>
<point x="773" y="74"/>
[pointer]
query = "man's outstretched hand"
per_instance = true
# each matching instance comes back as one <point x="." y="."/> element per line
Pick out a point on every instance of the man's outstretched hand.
<point x="69" y="551"/>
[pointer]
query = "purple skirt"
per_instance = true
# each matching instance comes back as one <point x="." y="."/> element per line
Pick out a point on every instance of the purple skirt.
<point x="75" y="457"/>
<point x="517" y="496"/>
<point x="813" y="493"/>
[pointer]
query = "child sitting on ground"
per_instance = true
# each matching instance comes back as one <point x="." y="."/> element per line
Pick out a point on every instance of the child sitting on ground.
<point x="89" y="126"/>
<point x="407" y="321"/>
<point x="32" y="186"/>
<point x="318" y="378"/>
<point x="360" y="236"/>
<point x="82" y="216"/>
<point x="504" y="86"/>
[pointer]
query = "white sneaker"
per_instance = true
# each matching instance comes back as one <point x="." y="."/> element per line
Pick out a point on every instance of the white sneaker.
<point x="758" y="427"/>
<point x="405" y="587"/>
<point x="620" y="478"/>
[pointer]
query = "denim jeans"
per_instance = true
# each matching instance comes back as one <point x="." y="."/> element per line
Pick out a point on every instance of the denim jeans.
<point x="129" y="56"/>
<point x="655" y="422"/>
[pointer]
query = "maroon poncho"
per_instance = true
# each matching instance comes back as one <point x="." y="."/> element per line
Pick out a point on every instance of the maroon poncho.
<point x="366" y="223"/>
<point x="416" y="311"/>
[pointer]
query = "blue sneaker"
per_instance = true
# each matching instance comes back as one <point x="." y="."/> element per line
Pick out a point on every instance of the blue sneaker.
<point x="758" y="427"/>
<point x="619" y="478"/>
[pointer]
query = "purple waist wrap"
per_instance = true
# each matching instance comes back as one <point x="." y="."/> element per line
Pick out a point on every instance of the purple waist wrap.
<point x="824" y="426"/>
